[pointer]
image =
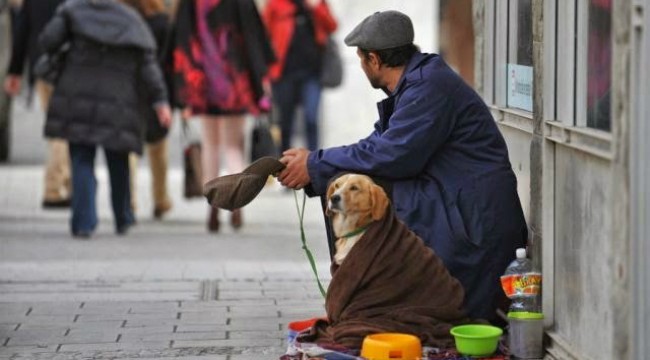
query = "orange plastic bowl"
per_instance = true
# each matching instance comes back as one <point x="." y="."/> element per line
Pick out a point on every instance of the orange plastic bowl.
<point x="391" y="346"/>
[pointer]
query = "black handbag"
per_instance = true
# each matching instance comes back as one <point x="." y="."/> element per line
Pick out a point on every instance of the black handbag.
<point x="192" y="185"/>
<point x="262" y="143"/>
<point x="331" y="75"/>
<point x="192" y="169"/>
<point x="49" y="66"/>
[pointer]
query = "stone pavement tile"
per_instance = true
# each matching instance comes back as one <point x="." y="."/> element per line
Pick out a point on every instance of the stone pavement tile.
<point x="7" y="327"/>
<point x="280" y="295"/>
<point x="256" y="312"/>
<point x="189" y="321"/>
<point x="254" y="321"/>
<point x="114" y="346"/>
<point x="287" y="285"/>
<point x="13" y="309"/>
<point x="245" y="343"/>
<point x="262" y="309"/>
<point x="317" y="310"/>
<point x="271" y="334"/>
<point x="89" y="337"/>
<point x="208" y="311"/>
<point x="87" y="326"/>
<point x="229" y="327"/>
<point x="58" y="308"/>
<point x="300" y="302"/>
<point x="113" y="296"/>
<point x="128" y="316"/>
<point x="26" y="350"/>
<point x="254" y="357"/>
<point x="149" y="307"/>
<point x="225" y="303"/>
<point x="240" y="294"/>
<point x="216" y="335"/>
<point x="226" y="285"/>
<point x="150" y="322"/>
<point x="200" y="357"/>
<point x="202" y="317"/>
<point x="38" y="319"/>
<point x="162" y="329"/>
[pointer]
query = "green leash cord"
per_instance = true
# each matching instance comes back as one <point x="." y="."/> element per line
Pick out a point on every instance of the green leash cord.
<point x="301" y="214"/>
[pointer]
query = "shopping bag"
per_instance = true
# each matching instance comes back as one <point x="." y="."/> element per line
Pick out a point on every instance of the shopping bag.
<point x="193" y="185"/>
<point x="262" y="143"/>
<point x="192" y="171"/>
<point x="331" y="75"/>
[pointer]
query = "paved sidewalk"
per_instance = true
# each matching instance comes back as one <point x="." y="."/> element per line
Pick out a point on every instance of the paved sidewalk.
<point x="166" y="290"/>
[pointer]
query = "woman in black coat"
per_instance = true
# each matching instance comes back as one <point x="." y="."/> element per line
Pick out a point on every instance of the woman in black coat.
<point x="96" y="101"/>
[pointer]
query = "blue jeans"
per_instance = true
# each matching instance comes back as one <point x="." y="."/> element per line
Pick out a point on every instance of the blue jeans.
<point x="301" y="88"/>
<point x="84" y="188"/>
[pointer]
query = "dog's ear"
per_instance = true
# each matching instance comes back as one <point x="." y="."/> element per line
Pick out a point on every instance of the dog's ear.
<point x="378" y="202"/>
<point x="330" y="191"/>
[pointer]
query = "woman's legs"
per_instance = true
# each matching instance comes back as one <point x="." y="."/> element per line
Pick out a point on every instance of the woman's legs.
<point x="84" y="188"/>
<point x="210" y="156"/>
<point x="158" y="164"/>
<point x="118" y="171"/>
<point x="222" y="132"/>
<point x="233" y="140"/>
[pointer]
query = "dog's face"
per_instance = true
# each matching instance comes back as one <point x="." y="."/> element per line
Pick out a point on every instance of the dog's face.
<point x="354" y="201"/>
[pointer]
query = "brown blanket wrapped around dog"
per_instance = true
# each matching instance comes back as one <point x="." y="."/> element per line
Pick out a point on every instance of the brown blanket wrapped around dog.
<point x="390" y="282"/>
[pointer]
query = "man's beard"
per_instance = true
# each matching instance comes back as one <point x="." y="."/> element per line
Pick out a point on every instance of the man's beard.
<point x="375" y="83"/>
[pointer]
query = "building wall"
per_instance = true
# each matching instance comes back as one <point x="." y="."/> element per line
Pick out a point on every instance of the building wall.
<point x="574" y="184"/>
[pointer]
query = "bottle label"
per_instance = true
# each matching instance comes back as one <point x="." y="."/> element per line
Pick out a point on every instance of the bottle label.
<point x="526" y="285"/>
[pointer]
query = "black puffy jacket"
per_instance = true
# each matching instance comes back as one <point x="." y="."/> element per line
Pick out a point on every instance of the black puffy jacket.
<point x="112" y="55"/>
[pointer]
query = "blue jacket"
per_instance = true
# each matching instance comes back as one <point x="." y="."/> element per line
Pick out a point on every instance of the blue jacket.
<point x="438" y="147"/>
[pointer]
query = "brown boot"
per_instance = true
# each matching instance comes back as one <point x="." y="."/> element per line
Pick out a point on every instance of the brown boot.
<point x="213" y="220"/>
<point x="236" y="219"/>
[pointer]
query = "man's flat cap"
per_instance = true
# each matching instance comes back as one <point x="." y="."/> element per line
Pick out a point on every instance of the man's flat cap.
<point x="382" y="30"/>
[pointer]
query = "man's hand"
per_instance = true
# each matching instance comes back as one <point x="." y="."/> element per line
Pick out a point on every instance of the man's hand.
<point x="295" y="175"/>
<point x="12" y="84"/>
<point x="164" y="113"/>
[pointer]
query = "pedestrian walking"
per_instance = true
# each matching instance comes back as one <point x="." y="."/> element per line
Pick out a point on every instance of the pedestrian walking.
<point x="28" y="24"/>
<point x="97" y="101"/>
<point x="440" y="155"/>
<point x="221" y="54"/>
<point x="155" y="15"/>
<point x="299" y="30"/>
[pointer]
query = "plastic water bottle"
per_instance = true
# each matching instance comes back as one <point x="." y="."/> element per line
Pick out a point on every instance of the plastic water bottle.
<point x="526" y="328"/>
<point x="522" y="285"/>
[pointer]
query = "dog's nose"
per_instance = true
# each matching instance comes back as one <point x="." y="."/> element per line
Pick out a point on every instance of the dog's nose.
<point x="335" y="198"/>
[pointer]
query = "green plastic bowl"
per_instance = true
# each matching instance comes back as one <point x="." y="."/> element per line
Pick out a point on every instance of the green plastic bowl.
<point x="476" y="340"/>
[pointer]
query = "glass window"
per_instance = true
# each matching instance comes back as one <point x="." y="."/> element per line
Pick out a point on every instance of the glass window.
<point x="520" y="55"/>
<point x="599" y="64"/>
<point x="524" y="50"/>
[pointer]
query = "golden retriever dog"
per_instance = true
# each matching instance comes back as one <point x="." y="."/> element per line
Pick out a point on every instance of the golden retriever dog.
<point x="353" y="202"/>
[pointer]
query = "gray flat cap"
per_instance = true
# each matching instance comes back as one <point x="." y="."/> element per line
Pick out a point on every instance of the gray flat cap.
<point x="382" y="30"/>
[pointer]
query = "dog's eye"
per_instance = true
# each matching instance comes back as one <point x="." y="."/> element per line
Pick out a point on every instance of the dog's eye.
<point x="354" y="188"/>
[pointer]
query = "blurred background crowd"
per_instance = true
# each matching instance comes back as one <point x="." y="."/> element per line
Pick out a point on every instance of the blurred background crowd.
<point x="112" y="74"/>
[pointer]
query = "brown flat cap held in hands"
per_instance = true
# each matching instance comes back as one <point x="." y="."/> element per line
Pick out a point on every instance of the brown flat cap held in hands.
<point x="237" y="190"/>
<point x="382" y="30"/>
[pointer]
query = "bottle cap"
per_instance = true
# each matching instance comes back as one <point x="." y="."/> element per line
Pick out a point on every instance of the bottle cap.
<point x="521" y="253"/>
